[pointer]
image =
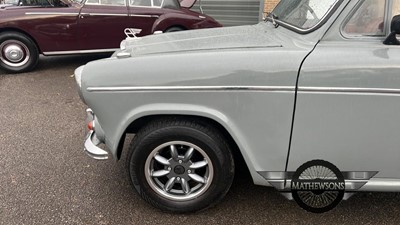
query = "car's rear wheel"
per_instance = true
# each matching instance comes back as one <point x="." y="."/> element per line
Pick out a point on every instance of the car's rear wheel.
<point x="180" y="165"/>
<point x="18" y="53"/>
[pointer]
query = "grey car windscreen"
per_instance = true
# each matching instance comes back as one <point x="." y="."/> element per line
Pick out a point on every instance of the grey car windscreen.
<point x="303" y="14"/>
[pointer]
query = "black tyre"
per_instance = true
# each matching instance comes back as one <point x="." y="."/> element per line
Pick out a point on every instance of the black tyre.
<point x="173" y="29"/>
<point x="180" y="165"/>
<point x="18" y="53"/>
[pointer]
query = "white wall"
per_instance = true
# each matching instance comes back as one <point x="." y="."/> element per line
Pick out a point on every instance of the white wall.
<point x="233" y="12"/>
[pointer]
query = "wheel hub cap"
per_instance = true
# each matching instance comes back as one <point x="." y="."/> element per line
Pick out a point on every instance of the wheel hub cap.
<point x="14" y="53"/>
<point x="179" y="169"/>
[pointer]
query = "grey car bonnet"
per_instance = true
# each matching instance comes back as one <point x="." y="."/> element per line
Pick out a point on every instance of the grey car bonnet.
<point x="206" y="39"/>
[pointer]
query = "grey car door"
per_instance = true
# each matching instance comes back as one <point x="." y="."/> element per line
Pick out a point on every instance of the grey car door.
<point x="348" y="100"/>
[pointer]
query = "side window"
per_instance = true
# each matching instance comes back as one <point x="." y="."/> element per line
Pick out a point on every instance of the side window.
<point x="93" y="2"/>
<point x="157" y="3"/>
<point x="396" y="8"/>
<point x="368" y="20"/>
<point x="14" y="2"/>
<point x="106" y="2"/>
<point x="140" y="3"/>
<point x="146" y="3"/>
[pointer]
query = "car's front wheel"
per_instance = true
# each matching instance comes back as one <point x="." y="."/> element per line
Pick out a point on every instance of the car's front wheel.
<point x="18" y="53"/>
<point x="180" y="165"/>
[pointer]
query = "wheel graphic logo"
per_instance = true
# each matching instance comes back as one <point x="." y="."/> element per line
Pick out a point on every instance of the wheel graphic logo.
<point x="318" y="186"/>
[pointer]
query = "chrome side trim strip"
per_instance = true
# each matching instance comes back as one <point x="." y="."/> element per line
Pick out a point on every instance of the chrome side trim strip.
<point x="382" y="185"/>
<point x="281" y="180"/>
<point x="146" y="16"/>
<point x="351" y="185"/>
<point x="81" y="51"/>
<point x="108" y="14"/>
<point x="194" y="88"/>
<point x="251" y="88"/>
<point x="143" y="6"/>
<point x="52" y="13"/>
<point x="348" y="90"/>
<point x="87" y="3"/>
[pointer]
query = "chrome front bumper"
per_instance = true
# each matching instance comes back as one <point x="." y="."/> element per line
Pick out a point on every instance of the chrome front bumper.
<point x="91" y="148"/>
<point x="91" y="140"/>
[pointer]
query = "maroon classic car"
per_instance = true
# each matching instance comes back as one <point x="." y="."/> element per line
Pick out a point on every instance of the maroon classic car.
<point x="30" y="28"/>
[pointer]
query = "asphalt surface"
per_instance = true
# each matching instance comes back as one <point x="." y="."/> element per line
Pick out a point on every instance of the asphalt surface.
<point x="45" y="178"/>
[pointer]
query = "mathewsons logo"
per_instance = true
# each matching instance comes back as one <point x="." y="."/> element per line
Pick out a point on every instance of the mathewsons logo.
<point x="318" y="186"/>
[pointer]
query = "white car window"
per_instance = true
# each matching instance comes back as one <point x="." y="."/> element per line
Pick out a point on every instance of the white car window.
<point x="396" y="8"/>
<point x="318" y="8"/>
<point x="146" y="3"/>
<point x="140" y="3"/>
<point x="14" y="2"/>
<point x="368" y="20"/>
<point x="303" y="14"/>
<point x="157" y="3"/>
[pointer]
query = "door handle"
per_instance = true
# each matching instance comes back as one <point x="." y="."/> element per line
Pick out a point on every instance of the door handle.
<point x="82" y="15"/>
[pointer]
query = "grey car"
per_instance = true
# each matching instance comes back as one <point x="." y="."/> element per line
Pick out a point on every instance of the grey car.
<point x="308" y="98"/>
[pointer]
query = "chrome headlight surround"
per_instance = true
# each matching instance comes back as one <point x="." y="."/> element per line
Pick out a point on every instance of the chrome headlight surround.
<point x="78" y="79"/>
<point x="122" y="45"/>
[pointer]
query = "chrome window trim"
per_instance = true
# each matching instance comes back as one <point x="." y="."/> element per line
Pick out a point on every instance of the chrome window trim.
<point x="316" y="26"/>
<point x="80" y="51"/>
<point x="348" y="36"/>
<point x="193" y="88"/>
<point x="52" y="13"/>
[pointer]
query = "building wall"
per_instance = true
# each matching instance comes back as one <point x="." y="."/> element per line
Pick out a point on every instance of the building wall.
<point x="269" y="5"/>
<point x="232" y="12"/>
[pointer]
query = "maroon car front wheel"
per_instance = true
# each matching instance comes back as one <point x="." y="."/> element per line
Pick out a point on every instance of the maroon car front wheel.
<point x="18" y="53"/>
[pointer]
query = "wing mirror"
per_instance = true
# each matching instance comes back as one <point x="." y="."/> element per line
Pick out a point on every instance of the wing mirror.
<point x="394" y="29"/>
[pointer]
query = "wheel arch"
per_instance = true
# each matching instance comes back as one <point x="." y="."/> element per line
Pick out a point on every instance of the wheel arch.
<point x="165" y="22"/>
<point x="12" y="29"/>
<point x="176" y="26"/>
<point x="137" y="124"/>
<point x="164" y="27"/>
